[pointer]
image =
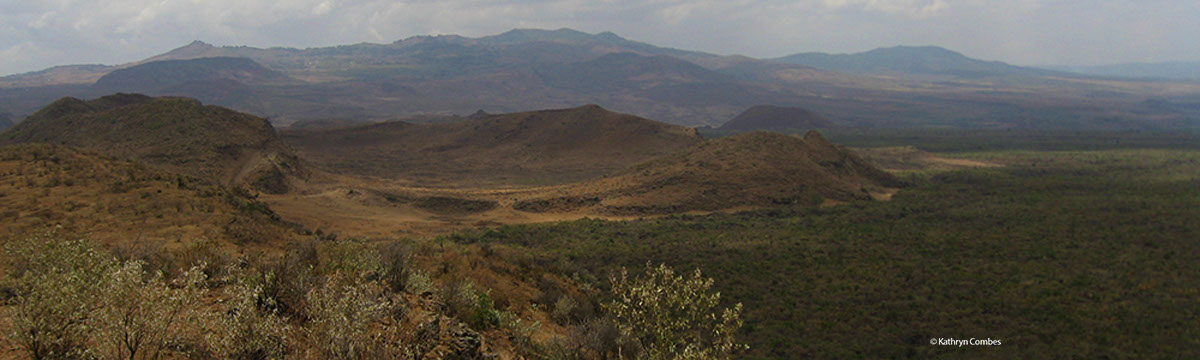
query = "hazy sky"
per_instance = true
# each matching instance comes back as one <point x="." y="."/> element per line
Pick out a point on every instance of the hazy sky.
<point x="43" y="33"/>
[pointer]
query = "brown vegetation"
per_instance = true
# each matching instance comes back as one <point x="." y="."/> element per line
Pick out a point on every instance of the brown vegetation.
<point x="540" y="147"/>
<point x="125" y="203"/>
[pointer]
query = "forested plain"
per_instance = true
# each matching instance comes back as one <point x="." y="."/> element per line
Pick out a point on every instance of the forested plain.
<point x="1057" y="254"/>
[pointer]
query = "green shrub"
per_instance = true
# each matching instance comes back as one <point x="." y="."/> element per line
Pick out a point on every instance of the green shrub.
<point x="56" y="281"/>
<point x="469" y="305"/>
<point x="419" y="283"/>
<point x="352" y="256"/>
<point x="672" y="316"/>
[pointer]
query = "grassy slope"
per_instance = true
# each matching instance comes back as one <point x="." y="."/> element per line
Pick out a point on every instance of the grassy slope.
<point x="1061" y="254"/>
<point x="119" y="202"/>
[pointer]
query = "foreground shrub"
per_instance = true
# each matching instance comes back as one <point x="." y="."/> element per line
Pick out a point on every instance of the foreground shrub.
<point x="74" y="302"/>
<point x="672" y="316"/>
<point x="56" y="281"/>
<point x="341" y="314"/>
<point x="248" y="327"/>
<point x="140" y="315"/>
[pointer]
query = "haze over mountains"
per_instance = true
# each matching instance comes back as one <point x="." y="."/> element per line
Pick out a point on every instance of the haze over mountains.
<point x="1165" y="70"/>
<point x="910" y="60"/>
<point x="524" y="70"/>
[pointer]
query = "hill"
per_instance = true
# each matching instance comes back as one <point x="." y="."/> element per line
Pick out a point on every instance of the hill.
<point x="5" y="121"/>
<point x="124" y="203"/>
<point x="767" y="117"/>
<point x="749" y="170"/>
<point x="912" y="61"/>
<point x="179" y="134"/>
<point x="158" y="76"/>
<point x="538" y="147"/>
<point x="58" y="75"/>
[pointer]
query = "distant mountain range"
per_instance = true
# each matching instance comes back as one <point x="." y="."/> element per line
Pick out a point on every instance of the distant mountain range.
<point x="1166" y="70"/>
<point x="909" y="60"/>
<point x="525" y="70"/>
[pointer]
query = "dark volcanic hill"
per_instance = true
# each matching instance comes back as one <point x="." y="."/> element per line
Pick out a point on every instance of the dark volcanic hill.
<point x="748" y="170"/>
<point x="538" y="147"/>
<point x="179" y="134"/>
<point x="910" y="60"/>
<point x="768" y="117"/>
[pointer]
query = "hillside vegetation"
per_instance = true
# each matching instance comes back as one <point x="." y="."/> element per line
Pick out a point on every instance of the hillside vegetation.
<point x="125" y="203"/>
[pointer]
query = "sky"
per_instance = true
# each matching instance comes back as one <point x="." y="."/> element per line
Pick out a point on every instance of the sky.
<point x="35" y="35"/>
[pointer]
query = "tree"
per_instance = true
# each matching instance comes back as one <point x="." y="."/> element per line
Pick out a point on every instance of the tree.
<point x="672" y="316"/>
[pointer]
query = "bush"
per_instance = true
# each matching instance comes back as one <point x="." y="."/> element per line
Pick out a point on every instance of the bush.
<point x="248" y="328"/>
<point x="56" y="281"/>
<point x="341" y="315"/>
<point x="395" y="258"/>
<point x="419" y="283"/>
<point x="563" y="309"/>
<point x="596" y="338"/>
<point x="672" y="316"/>
<point x="352" y="256"/>
<point x="69" y="298"/>
<point x="284" y="283"/>
<point x="473" y="307"/>
<point x="140" y="315"/>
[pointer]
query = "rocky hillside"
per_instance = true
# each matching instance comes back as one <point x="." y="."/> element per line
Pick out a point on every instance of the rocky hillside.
<point x="179" y="134"/>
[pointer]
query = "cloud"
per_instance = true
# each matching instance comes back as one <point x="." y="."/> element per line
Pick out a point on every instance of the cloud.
<point x="39" y="34"/>
<point x="911" y="8"/>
